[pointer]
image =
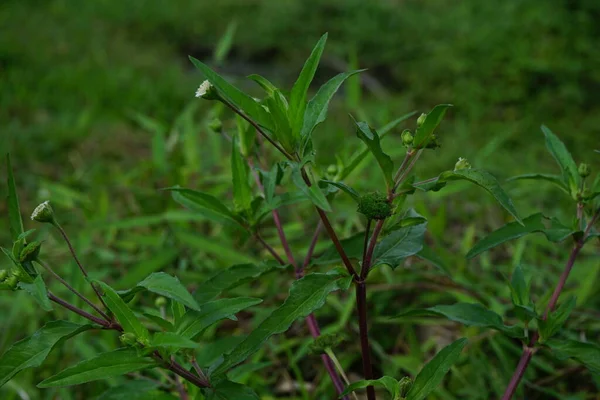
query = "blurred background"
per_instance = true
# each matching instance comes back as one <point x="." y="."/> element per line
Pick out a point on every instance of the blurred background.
<point x="97" y="109"/>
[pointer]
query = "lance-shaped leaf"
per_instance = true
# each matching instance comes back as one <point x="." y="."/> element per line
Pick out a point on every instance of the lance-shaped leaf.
<point x="316" y="111"/>
<point x="556" y="319"/>
<point x="235" y="96"/>
<point x="468" y="314"/>
<point x="390" y="384"/>
<point x="551" y="227"/>
<point x="313" y="193"/>
<point x="202" y="202"/>
<point x="479" y="177"/>
<point x="230" y="278"/>
<point x="425" y="131"/>
<point x="353" y="247"/>
<point x="370" y="137"/>
<point x="172" y="340"/>
<point x="341" y="185"/>
<point x="195" y="322"/>
<point x="125" y="316"/>
<point x="300" y="88"/>
<point x="14" y="212"/>
<point x="242" y="193"/>
<point x="586" y="353"/>
<point x="103" y="366"/>
<point x="227" y="390"/>
<point x="32" y="351"/>
<point x="37" y="289"/>
<point x="132" y="390"/>
<point x="554" y="179"/>
<point x="164" y="285"/>
<point x="401" y="243"/>
<point x="564" y="159"/>
<point x="433" y="373"/>
<point x="306" y="295"/>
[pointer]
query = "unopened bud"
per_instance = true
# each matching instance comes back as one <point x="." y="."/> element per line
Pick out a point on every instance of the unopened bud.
<point x="3" y="275"/>
<point x="30" y="252"/>
<point x="128" y="339"/>
<point x="421" y="119"/>
<point x="207" y="91"/>
<point x="404" y="386"/>
<point x="332" y="169"/>
<point x="462" y="163"/>
<point x="584" y="170"/>
<point x="374" y="206"/>
<point x="216" y="125"/>
<point x="160" y="302"/>
<point x="407" y="137"/>
<point x="43" y="213"/>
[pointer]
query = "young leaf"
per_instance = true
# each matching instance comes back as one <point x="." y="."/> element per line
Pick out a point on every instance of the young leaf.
<point x="316" y="111"/>
<point x="306" y="295"/>
<point x="32" y="351"/>
<point x="519" y="288"/>
<point x="37" y="289"/>
<point x="400" y="244"/>
<point x="14" y="212"/>
<point x="300" y="88"/>
<point x="242" y="193"/>
<point x="230" y="278"/>
<point x="587" y="354"/>
<point x="278" y="107"/>
<point x="370" y="137"/>
<point x="341" y="185"/>
<point x="468" y="314"/>
<point x="164" y="285"/>
<point x="124" y="315"/>
<point x="564" y="159"/>
<point x="313" y="193"/>
<point x="235" y="96"/>
<point x="555" y="179"/>
<point x="433" y="373"/>
<point x="196" y="200"/>
<point x="390" y="384"/>
<point x="556" y="232"/>
<point x="172" y="340"/>
<point x="103" y="366"/>
<point x="425" y="131"/>
<point x="556" y="319"/>
<point x="25" y="275"/>
<point x="195" y="322"/>
<point x="227" y="390"/>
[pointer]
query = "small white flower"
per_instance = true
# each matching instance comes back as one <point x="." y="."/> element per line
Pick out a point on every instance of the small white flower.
<point x="203" y="89"/>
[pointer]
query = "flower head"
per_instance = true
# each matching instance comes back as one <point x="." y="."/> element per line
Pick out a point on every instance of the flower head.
<point x="207" y="91"/>
<point x="43" y="213"/>
<point x="462" y="163"/>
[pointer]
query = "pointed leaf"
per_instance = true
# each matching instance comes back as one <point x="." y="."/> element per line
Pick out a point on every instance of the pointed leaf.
<point x="242" y="193"/>
<point x="300" y="88"/>
<point x="390" y="384"/>
<point x="131" y="390"/>
<point x="556" y="319"/>
<point x="433" y="373"/>
<point x="25" y="276"/>
<point x="425" y="131"/>
<point x="400" y="244"/>
<point x="235" y="96"/>
<point x="555" y="232"/>
<point x="164" y="285"/>
<point x="555" y="179"/>
<point x="38" y="291"/>
<point x="313" y="193"/>
<point x="103" y="366"/>
<point x="341" y="185"/>
<point x="14" y="212"/>
<point x="196" y="200"/>
<point x="124" y="315"/>
<point x="172" y="340"/>
<point x="562" y="156"/>
<point x="519" y="288"/>
<point x="587" y="354"/>
<point x="32" y="351"/>
<point x="227" y="390"/>
<point x="370" y="137"/>
<point x="195" y="322"/>
<point x="468" y="314"/>
<point x="306" y="295"/>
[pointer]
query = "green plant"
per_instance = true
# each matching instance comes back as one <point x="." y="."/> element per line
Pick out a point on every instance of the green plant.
<point x="272" y="150"/>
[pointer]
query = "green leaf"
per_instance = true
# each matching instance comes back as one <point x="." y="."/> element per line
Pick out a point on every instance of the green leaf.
<point x="390" y="384"/>
<point x="551" y="227"/>
<point x="316" y="111"/>
<point x="14" y="212"/>
<point x="195" y="200"/>
<point x="587" y="354"/>
<point x="479" y="177"/>
<point x="25" y="276"/>
<point x="242" y="192"/>
<point x="370" y="137"/>
<point x="282" y="131"/>
<point x="195" y="322"/>
<point x="124" y="315"/>
<point x="425" y="131"/>
<point x="230" y="278"/>
<point x="313" y="193"/>
<point x="519" y="288"/>
<point x="556" y="319"/>
<point x="227" y="390"/>
<point x="468" y="314"/>
<point x="172" y="340"/>
<point x="341" y="185"/>
<point x="353" y="247"/>
<point x="131" y="390"/>
<point x="38" y="291"/>
<point x="32" y="351"/>
<point x="164" y="285"/>
<point x="433" y="373"/>
<point x="564" y="159"/>
<point x="235" y="96"/>
<point x="400" y="243"/>
<point x="300" y="88"/>
<point x="225" y="42"/>
<point x="306" y="295"/>
<point x="429" y="255"/>
<point x="555" y="179"/>
<point x="103" y="366"/>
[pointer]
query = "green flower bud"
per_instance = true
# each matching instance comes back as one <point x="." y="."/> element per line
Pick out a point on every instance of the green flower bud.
<point x="404" y="386"/>
<point x="374" y="206"/>
<point x="160" y="302"/>
<point x="584" y="170"/>
<point x="421" y="119"/>
<point x="3" y="275"/>
<point x="30" y="252"/>
<point x="43" y="213"/>
<point x="216" y="125"/>
<point x="332" y="169"/>
<point x="12" y="282"/>
<point x="207" y="91"/>
<point x="407" y="137"/>
<point x="128" y="339"/>
<point x="462" y="163"/>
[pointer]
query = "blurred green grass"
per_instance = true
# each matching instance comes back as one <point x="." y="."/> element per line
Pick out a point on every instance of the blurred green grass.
<point x="77" y="76"/>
